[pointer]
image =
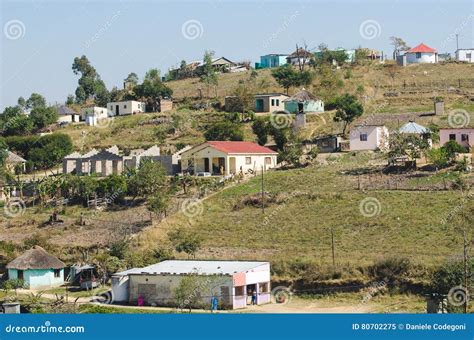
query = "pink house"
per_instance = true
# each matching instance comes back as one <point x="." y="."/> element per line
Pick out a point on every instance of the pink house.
<point x="369" y="137"/>
<point x="463" y="136"/>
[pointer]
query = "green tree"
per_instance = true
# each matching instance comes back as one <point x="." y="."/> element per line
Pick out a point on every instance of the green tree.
<point x="260" y="129"/>
<point x="158" y="203"/>
<point x="399" y="45"/>
<point x="149" y="180"/>
<point x="224" y="130"/>
<point x="35" y="101"/>
<point x="43" y="116"/>
<point x="131" y="80"/>
<point x="409" y="145"/>
<point x="187" y="293"/>
<point x="208" y="74"/>
<point x="348" y="109"/>
<point x="90" y="86"/>
<point x="185" y="241"/>
<point x="438" y="157"/>
<point x="152" y="90"/>
<point x="452" y="148"/>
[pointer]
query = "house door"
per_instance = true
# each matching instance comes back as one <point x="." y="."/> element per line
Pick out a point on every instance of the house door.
<point x="116" y="110"/>
<point x="259" y="105"/>
<point x="20" y="275"/>
<point x="300" y="107"/>
<point x="206" y="164"/>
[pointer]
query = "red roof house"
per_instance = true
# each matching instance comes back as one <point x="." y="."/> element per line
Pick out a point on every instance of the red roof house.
<point x="421" y="54"/>
<point x="227" y="158"/>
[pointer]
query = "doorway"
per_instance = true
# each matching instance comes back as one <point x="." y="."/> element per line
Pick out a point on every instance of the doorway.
<point x="206" y="164"/>
<point x="117" y="110"/>
<point x="259" y="105"/>
<point x="250" y="290"/>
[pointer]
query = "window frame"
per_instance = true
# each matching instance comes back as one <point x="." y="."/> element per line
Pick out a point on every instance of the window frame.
<point x="248" y="160"/>
<point x="363" y="137"/>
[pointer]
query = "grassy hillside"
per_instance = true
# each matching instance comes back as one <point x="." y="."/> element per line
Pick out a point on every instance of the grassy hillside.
<point x="313" y="201"/>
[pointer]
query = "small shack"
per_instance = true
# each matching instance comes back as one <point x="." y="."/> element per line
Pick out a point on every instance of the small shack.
<point x="37" y="269"/>
<point x="305" y="102"/>
<point x="232" y="283"/>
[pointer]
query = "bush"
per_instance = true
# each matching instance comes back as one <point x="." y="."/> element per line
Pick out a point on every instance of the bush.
<point x="223" y="131"/>
<point x="391" y="270"/>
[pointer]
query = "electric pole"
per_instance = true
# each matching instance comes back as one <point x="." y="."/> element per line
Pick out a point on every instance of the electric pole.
<point x="263" y="196"/>
<point x="457" y="41"/>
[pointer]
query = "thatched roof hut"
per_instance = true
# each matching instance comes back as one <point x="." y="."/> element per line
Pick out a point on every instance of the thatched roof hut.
<point x="302" y="97"/>
<point x="36" y="258"/>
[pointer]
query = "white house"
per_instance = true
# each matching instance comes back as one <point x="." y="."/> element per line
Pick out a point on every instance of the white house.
<point x="369" y="137"/>
<point x="421" y="54"/>
<point x="462" y="136"/>
<point x="231" y="283"/>
<point x="67" y="115"/>
<point x="300" y="56"/>
<point x="128" y="107"/>
<point x="465" y="54"/>
<point x="92" y="115"/>
<point x="228" y="157"/>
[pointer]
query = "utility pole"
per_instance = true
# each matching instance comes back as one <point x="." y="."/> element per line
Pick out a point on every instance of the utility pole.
<point x="466" y="271"/>
<point x="263" y="195"/>
<point x="332" y="247"/>
<point x="457" y="42"/>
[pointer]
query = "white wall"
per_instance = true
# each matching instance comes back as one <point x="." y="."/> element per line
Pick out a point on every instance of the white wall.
<point x="125" y="107"/>
<point x="424" y="58"/>
<point x="463" y="55"/>
<point x="377" y="138"/>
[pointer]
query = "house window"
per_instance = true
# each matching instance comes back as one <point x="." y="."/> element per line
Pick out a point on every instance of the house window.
<point x="248" y="160"/>
<point x="452" y="136"/>
<point x="277" y="102"/>
<point x="57" y="272"/>
<point x="264" y="287"/>
<point x="273" y="102"/>
<point x="125" y="106"/>
<point x="20" y="275"/>
<point x="268" y="160"/>
<point x="418" y="55"/>
<point x="111" y="107"/>
<point x="468" y="55"/>
<point x="464" y="137"/>
<point x="239" y="291"/>
<point x="363" y="137"/>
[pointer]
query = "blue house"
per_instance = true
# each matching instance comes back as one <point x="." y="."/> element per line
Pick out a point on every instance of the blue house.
<point x="304" y="102"/>
<point x="37" y="269"/>
<point x="271" y="60"/>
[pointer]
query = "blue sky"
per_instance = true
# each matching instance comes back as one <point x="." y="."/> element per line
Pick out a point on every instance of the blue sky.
<point x="41" y="38"/>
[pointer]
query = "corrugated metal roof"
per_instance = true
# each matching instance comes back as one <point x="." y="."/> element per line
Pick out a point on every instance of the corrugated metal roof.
<point x="412" y="127"/>
<point x="201" y="267"/>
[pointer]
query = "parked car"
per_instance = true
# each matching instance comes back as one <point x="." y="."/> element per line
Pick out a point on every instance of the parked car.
<point x="204" y="174"/>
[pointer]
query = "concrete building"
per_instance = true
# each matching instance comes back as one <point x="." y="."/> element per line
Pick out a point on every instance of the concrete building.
<point x="271" y="102"/>
<point x="368" y="137"/>
<point x="37" y="269"/>
<point x="300" y="56"/>
<point x="228" y="157"/>
<point x="465" y="54"/>
<point x="271" y="60"/>
<point x="94" y="114"/>
<point x="305" y="102"/>
<point x="67" y="115"/>
<point x="124" y="108"/>
<point x="462" y="136"/>
<point x="421" y="54"/>
<point x="232" y="283"/>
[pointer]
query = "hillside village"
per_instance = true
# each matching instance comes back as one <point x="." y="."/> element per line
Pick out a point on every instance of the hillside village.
<point x="316" y="176"/>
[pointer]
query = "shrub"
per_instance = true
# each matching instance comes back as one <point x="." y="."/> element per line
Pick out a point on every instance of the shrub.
<point x="225" y="130"/>
<point x="390" y="270"/>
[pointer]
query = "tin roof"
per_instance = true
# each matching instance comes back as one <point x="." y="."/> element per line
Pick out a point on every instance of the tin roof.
<point x="240" y="147"/>
<point x="412" y="127"/>
<point x="200" y="267"/>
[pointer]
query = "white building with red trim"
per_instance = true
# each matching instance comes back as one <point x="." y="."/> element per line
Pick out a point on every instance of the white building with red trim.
<point x="421" y="54"/>
<point x="228" y="157"/>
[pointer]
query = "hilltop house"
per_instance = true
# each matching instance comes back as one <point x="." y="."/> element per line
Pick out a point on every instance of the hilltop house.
<point x="37" y="269"/>
<point x="230" y="283"/>
<point x="303" y="101"/>
<point x="67" y="115"/>
<point x="462" y="136"/>
<point x="271" y="60"/>
<point x="465" y="54"/>
<point x="123" y="108"/>
<point x="228" y="157"/>
<point x="94" y="114"/>
<point x="368" y="137"/>
<point x="269" y="102"/>
<point x="300" y="56"/>
<point x="194" y="68"/>
<point x="421" y="54"/>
